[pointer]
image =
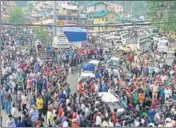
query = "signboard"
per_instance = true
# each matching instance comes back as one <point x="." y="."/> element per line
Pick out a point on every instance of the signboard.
<point x="60" y="23"/>
<point x="141" y="18"/>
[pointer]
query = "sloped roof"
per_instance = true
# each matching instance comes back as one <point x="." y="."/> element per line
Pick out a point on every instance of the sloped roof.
<point x="101" y="14"/>
<point x="93" y="3"/>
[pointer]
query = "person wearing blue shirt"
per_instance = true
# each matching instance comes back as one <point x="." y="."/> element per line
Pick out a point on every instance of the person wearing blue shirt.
<point x="48" y="48"/>
<point x="34" y="114"/>
<point x="36" y="67"/>
<point x="105" y="88"/>
<point x="62" y="96"/>
<point x="97" y="75"/>
<point x="101" y="70"/>
<point x="161" y="92"/>
<point x="151" y="114"/>
<point x="20" y="123"/>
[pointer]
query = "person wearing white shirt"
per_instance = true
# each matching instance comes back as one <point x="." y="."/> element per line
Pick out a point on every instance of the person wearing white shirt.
<point x="111" y="123"/>
<point x="97" y="87"/>
<point x="167" y="92"/>
<point x="14" y="112"/>
<point x="98" y="121"/>
<point x="24" y="101"/>
<point x="10" y="122"/>
<point x="87" y="112"/>
<point x="65" y="124"/>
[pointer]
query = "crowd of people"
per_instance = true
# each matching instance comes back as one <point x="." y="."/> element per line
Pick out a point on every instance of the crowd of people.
<point x="35" y="93"/>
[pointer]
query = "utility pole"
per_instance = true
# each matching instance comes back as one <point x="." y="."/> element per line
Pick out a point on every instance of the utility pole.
<point x="125" y="8"/>
<point x="54" y="17"/>
<point x="131" y="10"/>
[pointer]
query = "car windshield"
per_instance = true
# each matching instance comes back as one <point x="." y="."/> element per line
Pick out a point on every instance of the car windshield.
<point x="113" y="63"/>
<point x="114" y="105"/>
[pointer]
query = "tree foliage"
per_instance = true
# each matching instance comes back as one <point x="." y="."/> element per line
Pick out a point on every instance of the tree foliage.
<point x="30" y="6"/>
<point x="162" y="11"/>
<point x="16" y="16"/>
<point x="42" y="35"/>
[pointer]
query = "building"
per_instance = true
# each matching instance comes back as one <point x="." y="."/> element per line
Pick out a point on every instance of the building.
<point x="68" y="14"/>
<point x="103" y="18"/>
<point x="123" y="19"/>
<point x="115" y="8"/>
<point x="96" y="6"/>
<point x="5" y="8"/>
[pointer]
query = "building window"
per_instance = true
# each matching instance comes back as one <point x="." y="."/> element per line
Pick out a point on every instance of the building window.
<point x="106" y="19"/>
<point x="102" y="19"/>
<point x="106" y="27"/>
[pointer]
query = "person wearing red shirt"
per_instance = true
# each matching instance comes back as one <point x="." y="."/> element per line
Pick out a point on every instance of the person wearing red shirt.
<point x="61" y="111"/>
<point x="113" y="117"/>
<point x="80" y="89"/>
<point x="175" y="67"/>
<point x="130" y="58"/>
<point x="92" y="86"/>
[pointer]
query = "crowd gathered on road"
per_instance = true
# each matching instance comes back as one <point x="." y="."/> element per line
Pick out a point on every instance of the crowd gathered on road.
<point x="35" y="92"/>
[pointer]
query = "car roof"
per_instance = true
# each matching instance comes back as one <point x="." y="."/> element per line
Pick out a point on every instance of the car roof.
<point x="108" y="97"/>
<point x="96" y="62"/>
<point x="114" y="58"/>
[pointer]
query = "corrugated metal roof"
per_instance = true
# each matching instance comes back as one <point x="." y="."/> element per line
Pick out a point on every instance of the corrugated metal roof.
<point x="101" y="14"/>
<point x="92" y="3"/>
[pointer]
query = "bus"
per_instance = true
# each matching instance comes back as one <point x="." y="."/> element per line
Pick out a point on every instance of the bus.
<point x="144" y="44"/>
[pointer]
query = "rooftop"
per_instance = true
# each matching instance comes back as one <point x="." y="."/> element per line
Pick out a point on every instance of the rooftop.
<point x="93" y="3"/>
<point x="101" y="14"/>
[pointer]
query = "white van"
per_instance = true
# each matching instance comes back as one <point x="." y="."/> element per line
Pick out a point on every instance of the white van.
<point x="112" y="101"/>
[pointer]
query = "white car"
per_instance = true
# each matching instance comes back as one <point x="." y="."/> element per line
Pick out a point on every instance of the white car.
<point x="163" y="46"/>
<point x="112" y="101"/>
<point x="113" y="66"/>
<point x="84" y="75"/>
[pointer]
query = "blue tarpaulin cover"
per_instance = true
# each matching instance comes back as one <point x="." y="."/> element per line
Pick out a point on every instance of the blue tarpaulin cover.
<point x="88" y="67"/>
<point x="75" y="34"/>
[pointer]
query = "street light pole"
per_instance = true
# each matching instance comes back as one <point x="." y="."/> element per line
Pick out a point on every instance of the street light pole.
<point x="125" y="8"/>
<point x="131" y="10"/>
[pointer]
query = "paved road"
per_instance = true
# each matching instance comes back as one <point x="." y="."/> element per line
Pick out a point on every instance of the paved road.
<point x="72" y="80"/>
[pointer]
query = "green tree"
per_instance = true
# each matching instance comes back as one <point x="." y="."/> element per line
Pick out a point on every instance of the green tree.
<point x="162" y="11"/>
<point x="16" y="16"/>
<point x="42" y="35"/>
<point x="30" y="6"/>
